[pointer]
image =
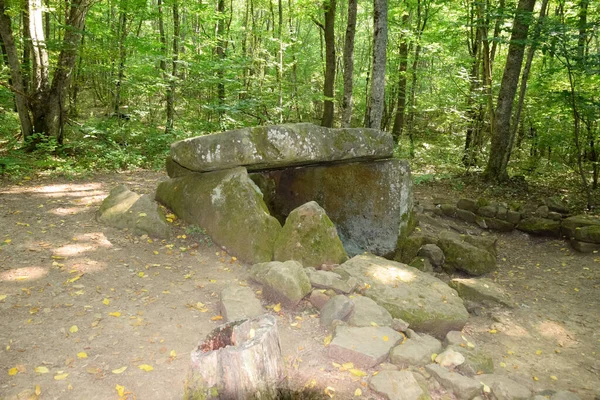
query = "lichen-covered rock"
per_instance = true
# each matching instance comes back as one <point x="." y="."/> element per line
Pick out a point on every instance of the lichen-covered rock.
<point x="398" y="385"/>
<point x="488" y="211"/>
<point x="505" y="388"/>
<point x="266" y="147"/>
<point x="482" y="290"/>
<point x="408" y="247"/>
<point x="464" y="388"/>
<point x="310" y="238"/>
<point x="415" y="351"/>
<point x="433" y="253"/>
<point x="466" y="257"/>
<point x="370" y="203"/>
<point x="589" y="234"/>
<point x="175" y="170"/>
<point x="584" y="247"/>
<point x="285" y="282"/>
<point x="338" y="307"/>
<point x="540" y="226"/>
<point x="366" y="313"/>
<point x="476" y="361"/>
<point x="557" y="205"/>
<point x="427" y="303"/>
<point x="569" y="225"/>
<point x="229" y="206"/>
<point x="364" y="346"/>
<point x="498" y="224"/>
<point x="125" y="209"/>
<point x="330" y="280"/>
<point x="466" y="215"/>
<point x="467" y="204"/>
<point x="239" y="302"/>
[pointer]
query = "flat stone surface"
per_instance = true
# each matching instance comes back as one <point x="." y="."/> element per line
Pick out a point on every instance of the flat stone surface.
<point x="364" y="346"/>
<point x="397" y="385"/>
<point x="450" y="358"/>
<point x="282" y="282"/>
<point x="338" y="307"/>
<point x="367" y="312"/>
<point x="433" y="253"/>
<point x="540" y="226"/>
<point x="505" y="388"/>
<point x="476" y="362"/>
<point x="458" y="338"/>
<point x="465" y="256"/>
<point x="584" y="247"/>
<point x="266" y="147"/>
<point x="318" y="299"/>
<point x="564" y="395"/>
<point x="416" y="350"/>
<point x="425" y="302"/>
<point x="569" y="225"/>
<point x="239" y="302"/>
<point x="330" y="280"/>
<point x="482" y="290"/>
<point x="464" y="388"/>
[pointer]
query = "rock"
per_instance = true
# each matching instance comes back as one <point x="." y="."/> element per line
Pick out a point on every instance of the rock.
<point x="542" y="212"/>
<point x="407" y="248"/>
<point x="584" y="247"/>
<point x="487" y="243"/>
<point x="399" y="325"/>
<point x="482" y="290"/>
<point x="487" y="211"/>
<point x="268" y="147"/>
<point x="416" y="350"/>
<point x="540" y="226"/>
<point x="564" y="395"/>
<point x="364" y="346"/>
<point x="425" y="302"/>
<point x="450" y="358"/>
<point x="175" y="170"/>
<point x="588" y="234"/>
<point x="458" y="338"/>
<point x="513" y="217"/>
<point x="318" y="299"/>
<point x="422" y="264"/>
<point x="338" y="307"/>
<point x="555" y="216"/>
<point x="569" y="225"/>
<point x="366" y="312"/>
<point x="370" y="203"/>
<point x="229" y="206"/>
<point x="239" y="302"/>
<point x="505" y="388"/>
<point x="310" y="238"/>
<point x="498" y="224"/>
<point x="433" y="253"/>
<point x="502" y="212"/>
<point x="285" y="282"/>
<point x="397" y="385"/>
<point x="449" y="210"/>
<point x="464" y="388"/>
<point x="125" y="209"/>
<point x="476" y="361"/>
<point x="467" y="204"/>
<point x="557" y="205"/>
<point x="330" y="280"/>
<point x="466" y="215"/>
<point x="466" y="257"/>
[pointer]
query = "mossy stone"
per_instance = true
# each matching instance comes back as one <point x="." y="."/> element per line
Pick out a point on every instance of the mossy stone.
<point x="540" y="226"/>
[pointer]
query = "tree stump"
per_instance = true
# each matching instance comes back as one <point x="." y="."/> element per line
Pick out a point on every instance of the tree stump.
<point x="239" y="360"/>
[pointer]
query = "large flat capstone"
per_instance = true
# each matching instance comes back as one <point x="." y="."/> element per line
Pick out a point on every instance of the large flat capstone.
<point x="370" y="203"/>
<point x="427" y="303"/>
<point x="267" y="147"/>
<point x="229" y="206"/>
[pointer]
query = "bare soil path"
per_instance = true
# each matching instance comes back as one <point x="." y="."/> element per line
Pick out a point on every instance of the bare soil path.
<point x="86" y="309"/>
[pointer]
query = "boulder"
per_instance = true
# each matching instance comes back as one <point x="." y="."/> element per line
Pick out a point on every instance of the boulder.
<point x="175" y="170"/>
<point x="229" y="206"/>
<point x="449" y="210"/>
<point x="338" y="307"/>
<point x="330" y="280"/>
<point x="498" y="224"/>
<point x="488" y="211"/>
<point x="310" y="238"/>
<point x="465" y="256"/>
<point x="483" y="291"/>
<point x="433" y="253"/>
<point x="569" y="225"/>
<point x="416" y="351"/>
<point x="564" y="395"/>
<point x="285" y="282"/>
<point x="318" y="299"/>
<point x="464" y="388"/>
<point x="425" y="302"/>
<point x="476" y="361"/>
<point x="370" y="203"/>
<point x="267" y="147"/>
<point x="450" y="358"/>
<point x="239" y="302"/>
<point x="125" y="209"/>
<point x="422" y="264"/>
<point x="408" y="247"/>
<point x="513" y="217"/>
<point x="505" y="388"/>
<point x="540" y="226"/>
<point x="584" y="247"/>
<point x="557" y="205"/>
<point x="467" y="204"/>
<point x="398" y="385"/>
<point x="458" y="338"/>
<point x="487" y="243"/>
<point x="588" y="234"/>
<point x="367" y="312"/>
<point x="364" y="346"/>
<point x="542" y="211"/>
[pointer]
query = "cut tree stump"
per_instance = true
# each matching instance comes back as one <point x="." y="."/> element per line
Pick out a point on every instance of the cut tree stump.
<point x="239" y="360"/>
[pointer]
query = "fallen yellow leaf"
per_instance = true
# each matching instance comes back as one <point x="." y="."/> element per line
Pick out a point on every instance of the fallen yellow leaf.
<point x="73" y="329"/>
<point x="120" y="390"/>
<point x="357" y="372"/>
<point x="146" y="367"/>
<point x="503" y="364"/>
<point x="60" y="377"/>
<point x="38" y="390"/>
<point x="173" y="354"/>
<point x="492" y="331"/>
<point x="3" y="296"/>
<point x="216" y="318"/>
<point x="106" y="302"/>
<point x="538" y="352"/>
<point x="74" y="279"/>
<point x="13" y="371"/>
<point x="82" y="354"/>
<point x="119" y="370"/>
<point x="115" y="314"/>
<point x="554" y="378"/>
<point x="385" y="338"/>
<point x="535" y="378"/>
<point x="277" y="307"/>
<point x="327" y="340"/>
<point x="329" y="391"/>
<point x="41" y="370"/>
<point x="357" y="392"/>
<point x="347" y="366"/>
<point x="434" y="356"/>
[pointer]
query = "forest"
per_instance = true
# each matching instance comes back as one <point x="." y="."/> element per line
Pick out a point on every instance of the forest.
<point x="498" y="87"/>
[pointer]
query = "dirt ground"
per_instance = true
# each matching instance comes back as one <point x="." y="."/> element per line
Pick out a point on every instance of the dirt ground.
<point x="86" y="309"/>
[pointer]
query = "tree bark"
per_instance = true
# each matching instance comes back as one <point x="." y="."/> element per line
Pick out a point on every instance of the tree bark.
<point x="377" y="93"/>
<point x="349" y="64"/>
<point x="172" y="77"/>
<point x="328" y="87"/>
<point x="499" y="152"/>
<point x="403" y="54"/>
<point x="122" y="58"/>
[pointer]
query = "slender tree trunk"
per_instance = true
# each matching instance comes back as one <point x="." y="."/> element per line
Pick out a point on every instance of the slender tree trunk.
<point x="220" y="50"/>
<point x="172" y="77"/>
<point x="500" y="151"/>
<point x="403" y="54"/>
<point x="280" y="60"/>
<point x="328" y="87"/>
<point x="349" y="64"/>
<point x="377" y="93"/>
<point x="122" y="58"/>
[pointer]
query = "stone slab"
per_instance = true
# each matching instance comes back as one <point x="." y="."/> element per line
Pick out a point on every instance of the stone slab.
<point x="363" y="346"/>
<point x="397" y="385"/>
<point x="239" y="302"/>
<point x="464" y="388"/>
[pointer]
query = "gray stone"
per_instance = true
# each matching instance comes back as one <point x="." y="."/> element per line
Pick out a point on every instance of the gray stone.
<point x="318" y="299"/>
<point x="338" y="307"/>
<point x="449" y="210"/>
<point x="464" y="388"/>
<point x="310" y="238"/>
<point x="555" y="216"/>
<point x="476" y="361"/>
<point x="450" y="358"/>
<point x="433" y="253"/>
<point x="367" y="312"/>
<point x="458" y="338"/>
<point x="125" y="209"/>
<point x="540" y="226"/>
<point x="502" y="213"/>
<point x="330" y="280"/>
<point x="397" y="385"/>
<point x="513" y="216"/>
<point x="399" y="325"/>
<point x="564" y="395"/>
<point x="466" y="257"/>
<point x="229" y="206"/>
<point x="466" y="215"/>
<point x="584" y="247"/>
<point x="505" y="388"/>
<point x="542" y="211"/>
<point x="467" y="204"/>
<point x="370" y="203"/>
<point x="557" y="205"/>
<point x="175" y="170"/>
<point x="482" y="290"/>
<point x="569" y="225"/>
<point x="416" y="350"/>
<point x="487" y="243"/>
<point x="498" y="224"/>
<point x="422" y="264"/>
<point x="588" y="234"/>
<point x="407" y="248"/>
<point x="364" y="346"/>
<point x="239" y="302"/>
<point x="422" y="300"/>
<point x="487" y="211"/>
<point x="266" y="147"/>
<point x="285" y="282"/>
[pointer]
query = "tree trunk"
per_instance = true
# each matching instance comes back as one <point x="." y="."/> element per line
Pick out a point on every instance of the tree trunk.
<point x="349" y="64"/>
<point x="500" y="151"/>
<point x="122" y="58"/>
<point x="377" y="93"/>
<point x="328" y="87"/>
<point x="220" y="50"/>
<point x="403" y="53"/>
<point x="172" y="78"/>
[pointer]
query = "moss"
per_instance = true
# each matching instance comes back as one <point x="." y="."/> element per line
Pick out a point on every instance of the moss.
<point x="481" y="202"/>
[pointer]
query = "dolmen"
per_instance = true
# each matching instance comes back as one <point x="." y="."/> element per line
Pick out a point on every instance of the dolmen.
<point x="241" y="186"/>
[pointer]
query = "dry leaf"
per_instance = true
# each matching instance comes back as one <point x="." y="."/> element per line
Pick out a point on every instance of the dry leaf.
<point x="385" y="338"/>
<point x="216" y="318"/>
<point x="329" y="391"/>
<point x="120" y="390"/>
<point x="172" y="353"/>
<point x="82" y="354"/>
<point x="277" y="307"/>
<point x="538" y="352"/>
<point x="73" y="329"/>
<point x="119" y="370"/>
<point x="60" y="377"/>
<point x="357" y="372"/>
<point x="114" y="314"/>
<point x="554" y="378"/>
<point x="3" y="296"/>
<point x="106" y="302"/>
<point x="13" y="371"/>
<point x="41" y="370"/>
<point x="492" y="331"/>
<point x="327" y="340"/>
<point x="38" y="390"/>
<point x="146" y="367"/>
<point x="357" y="392"/>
